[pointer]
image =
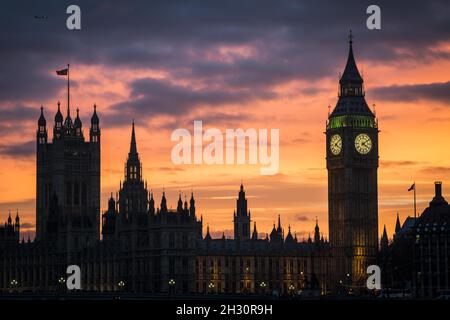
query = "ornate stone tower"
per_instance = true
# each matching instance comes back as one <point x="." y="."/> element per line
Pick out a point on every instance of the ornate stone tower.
<point x="241" y="217"/>
<point x="133" y="198"/>
<point x="68" y="182"/>
<point x="352" y="164"/>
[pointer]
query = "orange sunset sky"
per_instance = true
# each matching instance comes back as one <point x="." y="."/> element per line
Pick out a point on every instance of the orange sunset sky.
<point x="230" y="67"/>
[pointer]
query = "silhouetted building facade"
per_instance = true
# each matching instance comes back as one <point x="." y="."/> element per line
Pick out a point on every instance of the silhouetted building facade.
<point x="10" y="232"/>
<point x="144" y="247"/>
<point x="68" y="182"/>
<point x="417" y="259"/>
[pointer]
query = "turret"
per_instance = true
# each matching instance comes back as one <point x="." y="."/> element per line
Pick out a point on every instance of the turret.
<point x="274" y="234"/>
<point x="289" y="237"/>
<point x="384" y="240"/>
<point x="241" y="217"/>
<point x="186" y="208"/>
<point x="255" y="233"/>
<point x="94" y="132"/>
<point x="17" y="223"/>
<point x="208" y="236"/>
<point x="180" y="204"/>
<point x="57" y="128"/>
<point x="317" y="232"/>
<point x="163" y="203"/>
<point x="41" y="134"/>
<point x="192" y="206"/>
<point x="77" y="125"/>
<point x="397" y="224"/>
<point x="279" y="224"/>
<point x="151" y="204"/>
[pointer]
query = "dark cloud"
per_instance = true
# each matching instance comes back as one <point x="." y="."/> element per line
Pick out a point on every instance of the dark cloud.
<point x="150" y="97"/>
<point x="19" y="150"/>
<point x="18" y="113"/>
<point x="168" y="169"/>
<point x="205" y="45"/>
<point x="17" y="118"/>
<point x="17" y="204"/>
<point x="27" y="225"/>
<point x="300" y="217"/>
<point x="439" y="91"/>
<point x="436" y="170"/>
<point x="401" y="163"/>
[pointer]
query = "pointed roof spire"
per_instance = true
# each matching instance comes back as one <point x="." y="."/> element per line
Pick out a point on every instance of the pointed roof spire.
<point x="279" y="223"/>
<point x="397" y="224"/>
<point x="180" y="203"/>
<point x="351" y="72"/>
<point x="77" y="123"/>
<point x="58" y="115"/>
<point x="42" y="122"/>
<point x="133" y="148"/>
<point x="255" y="233"/>
<point x="208" y="236"/>
<point x="94" y="118"/>
<point x="289" y="237"/>
<point x="242" y="186"/>
<point x="384" y="239"/>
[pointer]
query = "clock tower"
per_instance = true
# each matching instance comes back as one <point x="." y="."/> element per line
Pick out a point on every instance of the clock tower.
<point x="352" y="163"/>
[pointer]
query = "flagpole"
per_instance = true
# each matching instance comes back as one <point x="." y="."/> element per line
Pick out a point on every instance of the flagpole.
<point x="68" y="86"/>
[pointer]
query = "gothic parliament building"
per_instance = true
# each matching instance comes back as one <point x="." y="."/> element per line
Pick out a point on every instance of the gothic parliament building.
<point x="144" y="247"/>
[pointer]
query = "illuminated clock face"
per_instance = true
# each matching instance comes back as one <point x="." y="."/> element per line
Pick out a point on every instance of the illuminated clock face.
<point x="336" y="144"/>
<point x="363" y="144"/>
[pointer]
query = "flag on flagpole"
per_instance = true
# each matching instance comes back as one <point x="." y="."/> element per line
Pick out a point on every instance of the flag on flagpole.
<point x="62" y="72"/>
<point x="413" y="187"/>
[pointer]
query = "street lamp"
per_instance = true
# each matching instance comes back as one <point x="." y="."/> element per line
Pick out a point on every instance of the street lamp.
<point x="121" y="284"/>
<point x="211" y="286"/>
<point x="291" y="288"/>
<point x="14" y="283"/>
<point x="171" y="286"/>
<point x="61" y="280"/>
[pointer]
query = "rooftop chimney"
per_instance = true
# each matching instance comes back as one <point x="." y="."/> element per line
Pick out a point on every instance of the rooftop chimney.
<point x="438" y="189"/>
<point x="438" y="198"/>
